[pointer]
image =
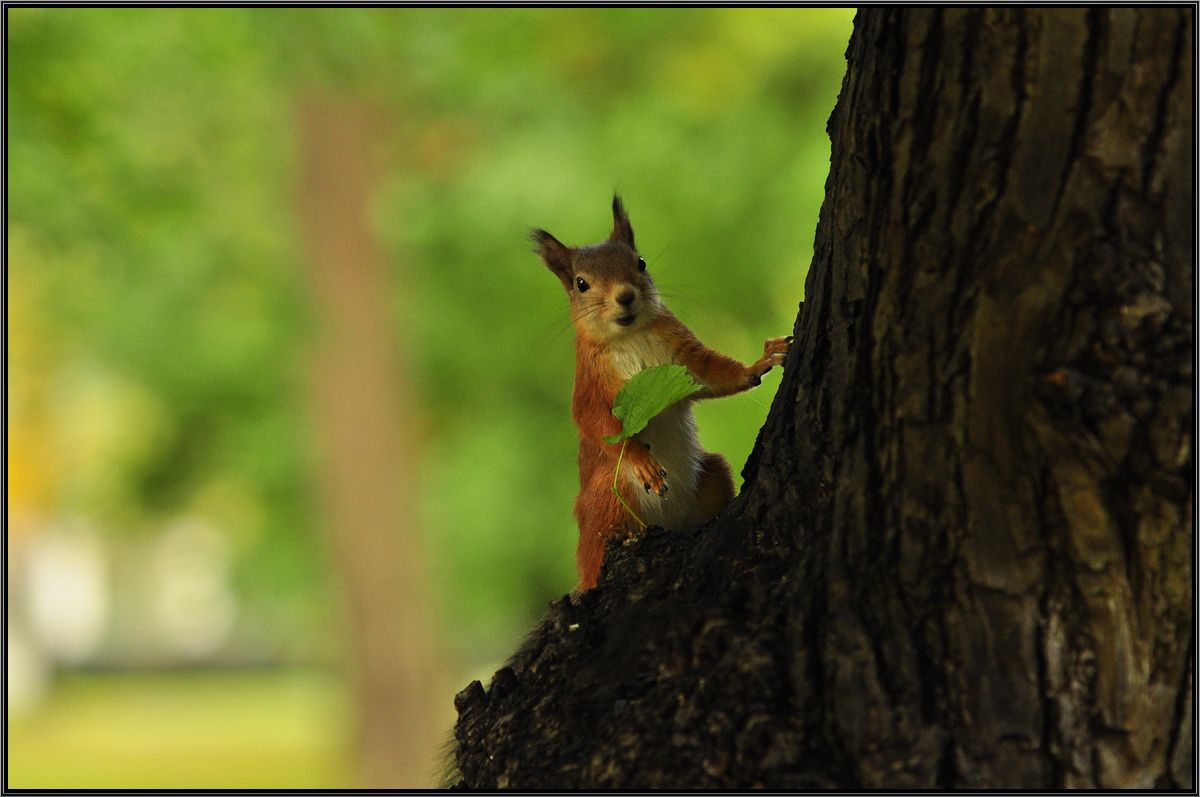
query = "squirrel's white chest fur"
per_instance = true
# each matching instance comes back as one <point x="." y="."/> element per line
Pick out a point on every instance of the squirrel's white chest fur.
<point x="671" y="436"/>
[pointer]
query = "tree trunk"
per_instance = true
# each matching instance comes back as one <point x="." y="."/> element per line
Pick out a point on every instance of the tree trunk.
<point x="367" y="457"/>
<point x="962" y="556"/>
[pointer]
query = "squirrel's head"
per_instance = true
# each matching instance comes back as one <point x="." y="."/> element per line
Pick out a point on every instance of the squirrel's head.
<point x="610" y="291"/>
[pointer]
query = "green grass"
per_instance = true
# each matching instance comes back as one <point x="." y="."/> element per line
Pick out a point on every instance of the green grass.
<point x="193" y="730"/>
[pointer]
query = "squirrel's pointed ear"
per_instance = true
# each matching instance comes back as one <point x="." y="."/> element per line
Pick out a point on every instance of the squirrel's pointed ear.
<point x="622" y="229"/>
<point x="556" y="256"/>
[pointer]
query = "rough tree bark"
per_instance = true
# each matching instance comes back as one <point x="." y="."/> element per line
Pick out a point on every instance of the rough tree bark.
<point x="962" y="557"/>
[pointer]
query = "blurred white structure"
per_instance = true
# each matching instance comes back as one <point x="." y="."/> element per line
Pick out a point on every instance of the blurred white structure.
<point x="67" y="590"/>
<point x="77" y="597"/>
<point x="192" y="600"/>
<point x="28" y="671"/>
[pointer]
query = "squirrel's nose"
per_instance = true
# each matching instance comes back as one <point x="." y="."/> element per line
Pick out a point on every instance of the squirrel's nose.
<point x="626" y="297"/>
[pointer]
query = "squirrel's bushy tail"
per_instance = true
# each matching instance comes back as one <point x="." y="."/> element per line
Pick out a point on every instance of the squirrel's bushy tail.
<point x="447" y="775"/>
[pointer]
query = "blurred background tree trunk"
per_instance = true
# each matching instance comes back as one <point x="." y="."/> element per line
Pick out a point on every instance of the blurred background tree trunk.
<point x="367" y="456"/>
<point x="962" y="556"/>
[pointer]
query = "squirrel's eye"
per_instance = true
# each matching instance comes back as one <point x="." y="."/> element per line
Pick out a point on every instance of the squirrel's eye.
<point x="582" y="283"/>
<point x="641" y="264"/>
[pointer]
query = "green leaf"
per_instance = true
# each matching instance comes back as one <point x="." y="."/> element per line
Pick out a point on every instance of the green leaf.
<point x="646" y="394"/>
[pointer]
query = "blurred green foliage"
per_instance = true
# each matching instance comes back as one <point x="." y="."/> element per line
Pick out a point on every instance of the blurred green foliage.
<point x="159" y="317"/>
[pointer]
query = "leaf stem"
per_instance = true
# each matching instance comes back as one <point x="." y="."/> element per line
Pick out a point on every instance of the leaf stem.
<point x="617" y="493"/>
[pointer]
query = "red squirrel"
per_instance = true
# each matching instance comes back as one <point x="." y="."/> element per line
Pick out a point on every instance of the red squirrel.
<point x="622" y="327"/>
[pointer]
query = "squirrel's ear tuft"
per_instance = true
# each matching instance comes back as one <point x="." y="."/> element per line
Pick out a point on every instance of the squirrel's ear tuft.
<point x="554" y="254"/>
<point x="622" y="229"/>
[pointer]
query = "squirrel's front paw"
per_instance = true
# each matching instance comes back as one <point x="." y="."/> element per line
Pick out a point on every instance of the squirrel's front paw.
<point x="774" y="352"/>
<point x="649" y="474"/>
<point x="777" y="347"/>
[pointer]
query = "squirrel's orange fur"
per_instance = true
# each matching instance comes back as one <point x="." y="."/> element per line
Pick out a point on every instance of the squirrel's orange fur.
<point x="621" y="327"/>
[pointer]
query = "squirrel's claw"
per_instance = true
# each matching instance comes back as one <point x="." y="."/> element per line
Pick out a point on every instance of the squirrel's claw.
<point x="774" y="353"/>
<point x="648" y="472"/>
<point x="776" y="348"/>
<point x="660" y="490"/>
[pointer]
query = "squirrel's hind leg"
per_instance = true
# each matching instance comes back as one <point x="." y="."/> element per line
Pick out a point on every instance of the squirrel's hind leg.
<point x="600" y="517"/>
<point x="714" y="489"/>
